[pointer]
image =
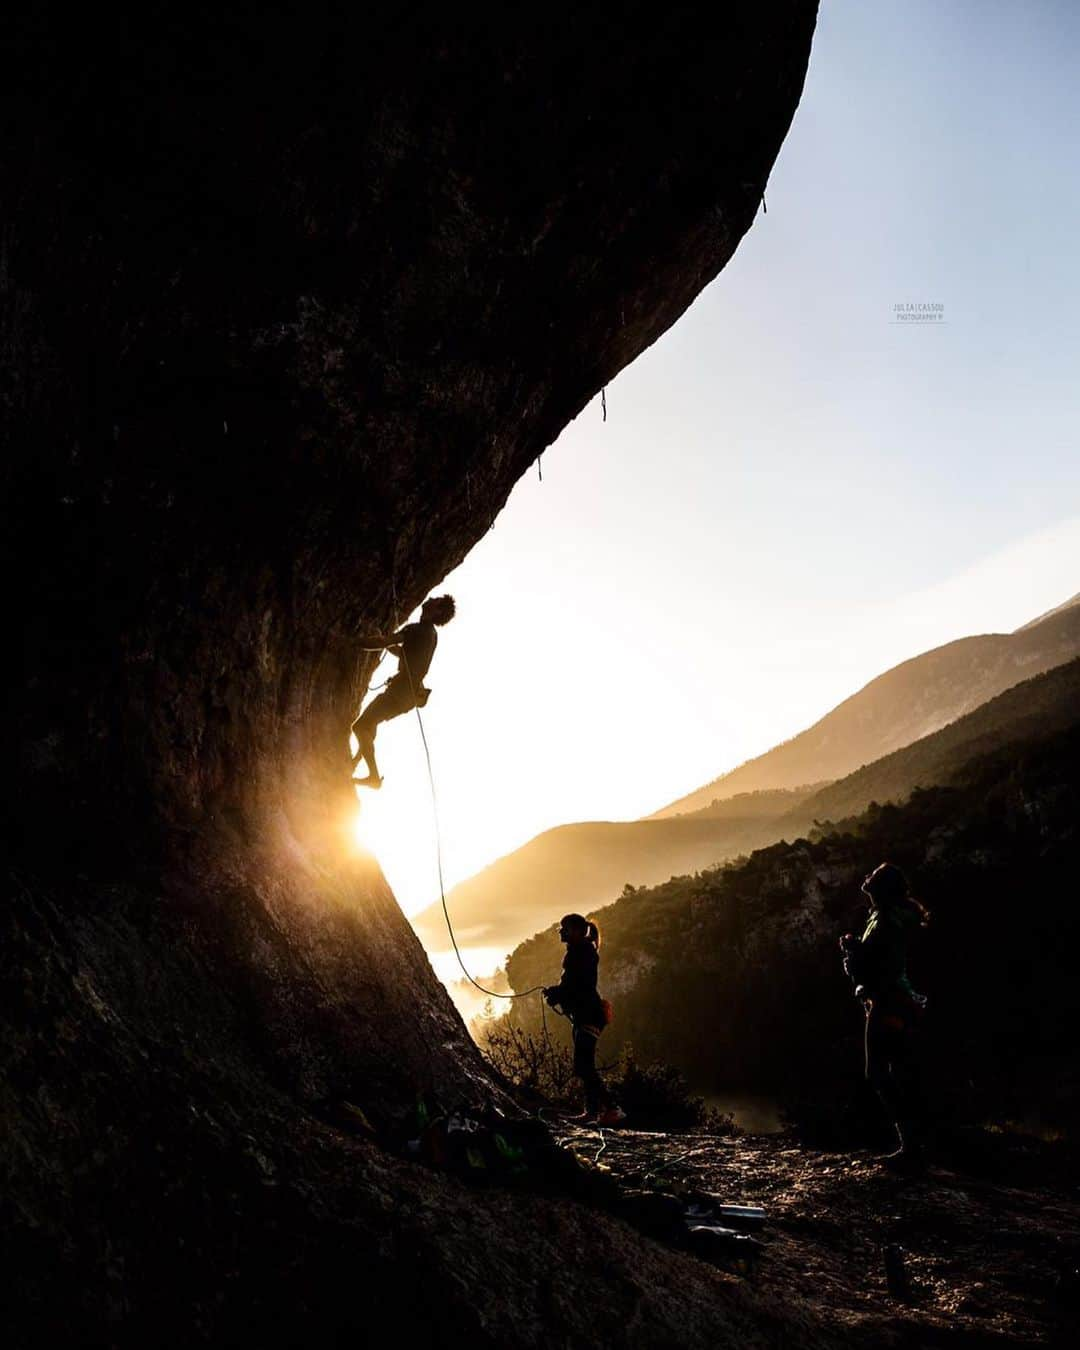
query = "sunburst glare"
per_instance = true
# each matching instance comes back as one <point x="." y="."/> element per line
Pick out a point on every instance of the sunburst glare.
<point x="395" y="824"/>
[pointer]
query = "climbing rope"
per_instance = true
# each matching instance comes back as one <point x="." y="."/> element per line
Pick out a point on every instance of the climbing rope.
<point x="543" y="1023"/>
<point x="491" y="993"/>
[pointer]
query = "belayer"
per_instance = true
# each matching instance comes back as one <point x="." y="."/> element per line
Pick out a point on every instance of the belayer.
<point x="877" y="963"/>
<point x="414" y="646"/>
<point x="577" y="996"/>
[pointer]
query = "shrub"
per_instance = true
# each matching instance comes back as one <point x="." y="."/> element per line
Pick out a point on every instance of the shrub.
<point x="659" y="1097"/>
<point x="654" y="1097"/>
<point x="532" y="1064"/>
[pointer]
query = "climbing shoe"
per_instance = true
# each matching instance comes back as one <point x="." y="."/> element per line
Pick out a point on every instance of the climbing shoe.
<point x="371" y="781"/>
<point x="612" y="1115"/>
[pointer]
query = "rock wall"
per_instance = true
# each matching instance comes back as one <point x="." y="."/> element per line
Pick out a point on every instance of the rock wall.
<point x="288" y="302"/>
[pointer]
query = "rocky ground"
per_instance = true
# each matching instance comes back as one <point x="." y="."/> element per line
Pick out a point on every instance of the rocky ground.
<point x="989" y="1258"/>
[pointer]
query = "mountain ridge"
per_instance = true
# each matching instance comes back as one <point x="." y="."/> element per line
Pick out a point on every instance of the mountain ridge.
<point x="942" y="684"/>
<point x="583" y="865"/>
<point x="1045" y="704"/>
<point x="706" y="970"/>
<point x="1073" y="601"/>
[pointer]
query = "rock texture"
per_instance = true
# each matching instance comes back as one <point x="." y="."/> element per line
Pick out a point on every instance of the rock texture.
<point x="288" y="301"/>
<point x="987" y="1249"/>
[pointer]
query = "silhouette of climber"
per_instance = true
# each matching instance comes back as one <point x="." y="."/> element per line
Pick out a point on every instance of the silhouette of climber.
<point x="414" y="646"/>
<point x="577" y="996"/>
<point x="877" y="962"/>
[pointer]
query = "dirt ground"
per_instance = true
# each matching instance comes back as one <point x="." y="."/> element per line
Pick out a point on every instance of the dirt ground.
<point x="987" y="1259"/>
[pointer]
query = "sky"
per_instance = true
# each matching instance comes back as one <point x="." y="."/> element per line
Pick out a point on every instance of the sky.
<point x="793" y="490"/>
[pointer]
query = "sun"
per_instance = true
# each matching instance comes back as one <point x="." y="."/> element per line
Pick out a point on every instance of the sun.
<point x="374" y="827"/>
<point x="360" y="829"/>
<point x="394" y="825"/>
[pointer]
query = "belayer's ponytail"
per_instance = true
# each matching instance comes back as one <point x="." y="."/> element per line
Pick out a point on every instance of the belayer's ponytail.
<point x="589" y="931"/>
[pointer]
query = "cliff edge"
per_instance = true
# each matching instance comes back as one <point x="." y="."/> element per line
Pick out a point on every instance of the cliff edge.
<point x="290" y="299"/>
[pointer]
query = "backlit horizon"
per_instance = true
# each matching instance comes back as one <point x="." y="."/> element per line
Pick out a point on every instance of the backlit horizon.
<point x="792" y="492"/>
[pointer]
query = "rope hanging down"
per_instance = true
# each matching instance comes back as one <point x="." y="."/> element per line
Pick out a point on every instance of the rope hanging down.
<point x="491" y="993"/>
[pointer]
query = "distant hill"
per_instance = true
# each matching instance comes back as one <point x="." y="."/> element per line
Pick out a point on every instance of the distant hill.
<point x="733" y="975"/>
<point x="908" y="702"/>
<point x="585" y="866"/>
<point x="1035" y="709"/>
<point x="581" y="866"/>
<point x="1058" y="609"/>
<point x="1040" y="707"/>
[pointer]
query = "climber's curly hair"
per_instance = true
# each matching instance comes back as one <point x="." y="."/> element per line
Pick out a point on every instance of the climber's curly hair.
<point x="439" y="609"/>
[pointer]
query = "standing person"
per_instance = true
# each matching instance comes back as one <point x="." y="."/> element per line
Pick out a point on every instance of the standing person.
<point x="576" y="994"/>
<point x="414" y="646"/>
<point x="877" y="962"/>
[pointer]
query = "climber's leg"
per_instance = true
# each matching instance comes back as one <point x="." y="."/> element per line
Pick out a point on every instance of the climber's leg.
<point x="364" y="730"/>
<point x="392" y="702"/>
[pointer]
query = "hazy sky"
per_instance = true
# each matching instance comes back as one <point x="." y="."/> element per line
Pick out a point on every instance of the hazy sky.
<point x="792" y="491"/>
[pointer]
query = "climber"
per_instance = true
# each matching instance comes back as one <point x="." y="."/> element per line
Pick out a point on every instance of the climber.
<point x="877" y="963"/>
<point x="588" y="1012"/>
<point x="414" y="646"/>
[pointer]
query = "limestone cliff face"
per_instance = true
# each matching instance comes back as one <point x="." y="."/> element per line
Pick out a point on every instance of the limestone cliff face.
<point x="289" y="302"/>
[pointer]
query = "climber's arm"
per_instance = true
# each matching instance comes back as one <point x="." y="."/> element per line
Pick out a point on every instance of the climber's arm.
<point x="376" y="642"/>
